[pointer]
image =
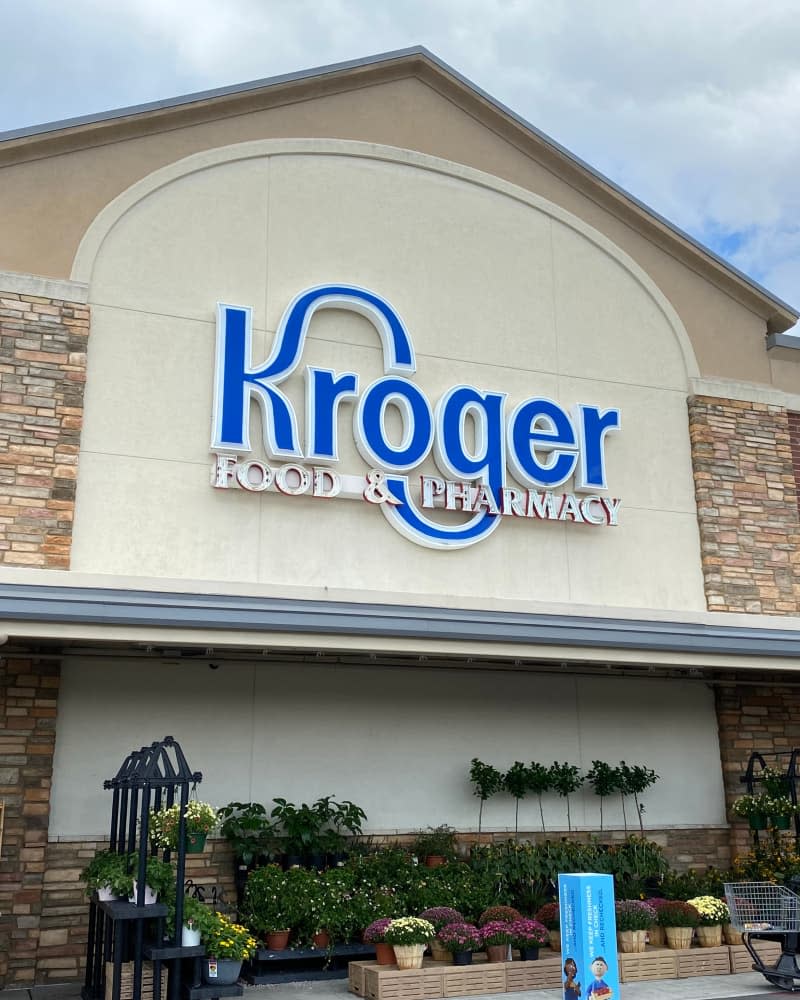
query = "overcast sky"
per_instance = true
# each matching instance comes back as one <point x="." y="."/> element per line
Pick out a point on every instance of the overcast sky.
<point x="691" y="105"/>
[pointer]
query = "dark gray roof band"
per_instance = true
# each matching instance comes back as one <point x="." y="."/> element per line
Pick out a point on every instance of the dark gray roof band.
<point x="99" y="606"/>
<point x="386" y="57"/>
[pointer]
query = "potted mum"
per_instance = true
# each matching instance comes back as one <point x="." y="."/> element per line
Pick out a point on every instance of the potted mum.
<point x="107" y="874"/>
<point x="496" y="937"/>
<point x="655" y="932"/>
<point x="505" y="914"/>
<point x="634" y="918"/>
<point x="549" y="916"/>
<point x="409" y="936"/>
<point x="528" y="936"/>
<point x="376" y="934"/>
<point x="200" y="818"/>
<point x="227" y="945"/>
<point x="713" y="914"/>
<point x="678" y="920"/>
<point x="439" y="916"/>
<point x="460" y="940"/>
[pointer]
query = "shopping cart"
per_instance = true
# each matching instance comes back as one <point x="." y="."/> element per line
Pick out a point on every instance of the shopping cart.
<point x="767" y="912"/>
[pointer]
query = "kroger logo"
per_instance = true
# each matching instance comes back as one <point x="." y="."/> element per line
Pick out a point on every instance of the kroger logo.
<point x="474" y="439"/>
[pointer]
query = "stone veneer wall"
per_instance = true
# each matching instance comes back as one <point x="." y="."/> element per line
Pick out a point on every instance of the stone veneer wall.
<point x="763" y="718"/>
<point x="28" y="701"/>
<point x="746" y="505"/>
<point x="42" y="376"/>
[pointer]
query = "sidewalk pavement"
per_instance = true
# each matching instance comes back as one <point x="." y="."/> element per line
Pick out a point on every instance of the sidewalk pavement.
<point x="738" y="987"/>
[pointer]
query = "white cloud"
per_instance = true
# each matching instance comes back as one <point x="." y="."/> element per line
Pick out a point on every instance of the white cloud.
<point x="692" y="106"/>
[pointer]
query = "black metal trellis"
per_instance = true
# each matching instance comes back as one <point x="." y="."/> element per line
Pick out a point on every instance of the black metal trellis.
<point x="155" y="777"/>
<point x="752" y="777"/>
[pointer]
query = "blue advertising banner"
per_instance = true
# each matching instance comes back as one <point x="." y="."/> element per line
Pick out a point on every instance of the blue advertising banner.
<point x="588" y="937"/>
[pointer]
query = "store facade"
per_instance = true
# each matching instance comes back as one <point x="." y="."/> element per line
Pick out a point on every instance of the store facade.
<point x="352" y="429"/>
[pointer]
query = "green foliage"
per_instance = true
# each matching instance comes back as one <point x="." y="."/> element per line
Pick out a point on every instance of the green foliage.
<point x="605" y="780"/>
<point x="634" y="780"/>
<point x="248" y="829"/>
<point x="565" y="779"/>
<point x="517" y="782"/>
<point x="539" y="781"/>
<point x="636" y="863"/>
<point x="776" y="783"/>
<point x="437" y="841"/>
<point x="107" y="868"/>
<point x="688" y="885"/>
<point x="487" y="781"/>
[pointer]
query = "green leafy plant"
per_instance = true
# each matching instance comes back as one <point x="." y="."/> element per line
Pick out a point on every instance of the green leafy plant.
<point x="539" y="782"/>
<point x="107" y="868"/>
<point x="266" y="906"/>
<point x="605" y="780"/>
<point x="248" y="829"/>
<point x="302" y="825"/>
<point x="222" y="938"/>
<point x="516" y="781"/>
<point x="199" y="818"/>
<point x="776" y="783"/>
<point x="438" y="841"/>
<point x="487" y="781"/>
<point x="634" y="780"/>
<point x="565" y="779"/>
<point x="750" y="805"/>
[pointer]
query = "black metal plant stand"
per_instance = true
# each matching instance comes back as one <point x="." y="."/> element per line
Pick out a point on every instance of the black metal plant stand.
<point x="120" y="932"/>
<point x="756" y="763"/>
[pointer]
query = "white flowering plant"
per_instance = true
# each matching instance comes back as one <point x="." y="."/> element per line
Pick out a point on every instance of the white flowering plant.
<point x="200" y="818"/>
<point x="712" y="910"/>
<point x="409" y="930"/>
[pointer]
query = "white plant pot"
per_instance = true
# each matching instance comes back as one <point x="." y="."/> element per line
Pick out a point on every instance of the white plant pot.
<point x="150" y="897"/>
<point x="190" y="937"/>
<point x="105" y="894"/>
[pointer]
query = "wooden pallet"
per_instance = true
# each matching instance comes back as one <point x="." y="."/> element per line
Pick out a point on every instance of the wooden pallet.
<point x="126" y="982"/>
<point x="355" y="977"/>
<point x="741" y="960"/>
<point x="703" y="961"/>
<point x="383" y="982"/>
<point x="645" y="966"/>
<point x="544" y="974"/>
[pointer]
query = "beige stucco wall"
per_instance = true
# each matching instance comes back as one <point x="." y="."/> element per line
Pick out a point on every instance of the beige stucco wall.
<point x="266" y="729"/>
<point x="51" y="190"/>
<point x="497" y="288"/>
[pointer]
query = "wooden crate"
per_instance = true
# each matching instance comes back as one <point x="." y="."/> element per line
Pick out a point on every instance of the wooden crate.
<point x="703" y="961"/>
<point x="126" y="982"/>
<point x="741" y="960"/>
<point x="475" y="980"/>
<point x="544" y="974"/>
<point x="355" y="977"/>
<point x="382" y="982"/>
<point x="644" y="966"/>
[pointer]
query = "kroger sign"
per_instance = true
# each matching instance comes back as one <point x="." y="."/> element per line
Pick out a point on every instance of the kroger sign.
<point x="474" y="437"/>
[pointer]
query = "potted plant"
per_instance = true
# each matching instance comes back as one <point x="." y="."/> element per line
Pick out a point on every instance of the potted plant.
<point x="251" y="834"/>
<point x="780" y="810"/>
<point x="496" y="938"/>
<point x="539" y="782"/>
<point x="200" y="818"/>
<point x="634" y="918"/>
<point x="565" y="779"/>
<point x="678" y="920"/>
<point x="505" y="914"/>
<point x="266" y="906"/>
<point x="159" y="881"/>
<point x="730" y="934"/>
<point x="655" y="932"/>
<point x="460" y="940"/>
<point x="528" y="936"/>
<point x="439" y="916"/>
<point x="435" y="846"/>
<point x="487" y="781"/>
<point x="195" y="916"/>
<point x="107" y="874"/>
<point x="549" y="916"/>
<point x="409" y="936"/>
<point x="301" y="828"/>
<point x="376" y="934"/>
<point x="753" y="808"/>
<point x="605" y="780"/>
<point x="633" y="780"/>
<point x="227" y="945"/>
<point x="713" y="914"/>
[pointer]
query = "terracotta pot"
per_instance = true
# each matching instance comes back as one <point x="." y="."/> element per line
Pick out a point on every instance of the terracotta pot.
<point x="731" y="935"/>
<point x="409" y="956"/>
<point x="555" y="940"/>
<point x="710" y="937"/>
<point x="384" y="953"/>
<point x="277" y="940"/>
<point x="656" y="937"/>
<point x="631" y="942"/>
<point x="434" y="860"/>
<point x="678" y="937"/>
<point x="497" y="952"/>
<point x="321" y="939"/>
